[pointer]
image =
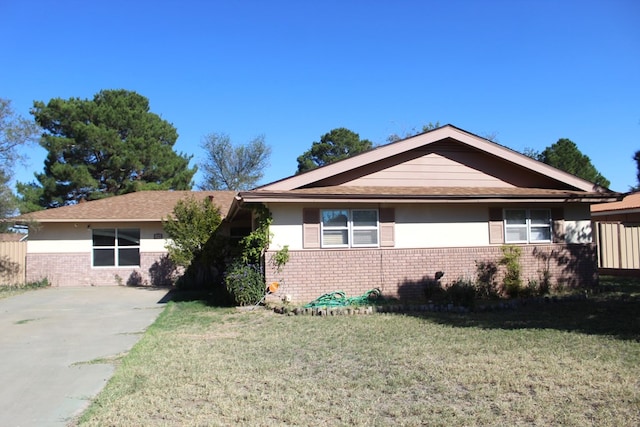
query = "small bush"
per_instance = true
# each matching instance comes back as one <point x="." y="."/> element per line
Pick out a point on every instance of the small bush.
<point x="462" y="293"/>
<point x="545" y="282"/>
<point x="245" y="283"/>
<point x="532" y="289"/>
<point x="135" y="279"/>
<point x="512" y="280"/>
<point x="433" y="290"/>
<point x="486" y="285"/>
<point x="42" y="283"/>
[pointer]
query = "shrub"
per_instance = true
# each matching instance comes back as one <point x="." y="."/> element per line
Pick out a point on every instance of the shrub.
<point x="42" y="283"/>
<point x="433" y="290"/>
<point x="462" y="293"/>
<point x="545" y="282"/>
<point x="245" y="283"/>
<point x="486" y="286"/>
<point x="511" y="260"/>
<point x="532" y="289"/>
<point x="136" y="279"/>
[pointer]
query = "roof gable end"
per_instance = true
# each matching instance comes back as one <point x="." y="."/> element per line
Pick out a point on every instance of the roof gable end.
<point x="320" y="176"/>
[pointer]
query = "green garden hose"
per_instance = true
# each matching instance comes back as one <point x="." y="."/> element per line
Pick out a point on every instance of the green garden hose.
<point x="339" y="299"/>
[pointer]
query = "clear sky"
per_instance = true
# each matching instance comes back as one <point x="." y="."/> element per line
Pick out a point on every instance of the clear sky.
<point x="529" y="72"/>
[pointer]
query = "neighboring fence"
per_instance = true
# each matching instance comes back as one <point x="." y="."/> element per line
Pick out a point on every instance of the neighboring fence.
<point x="618" y="246"/>
<point x="13" y="256"/>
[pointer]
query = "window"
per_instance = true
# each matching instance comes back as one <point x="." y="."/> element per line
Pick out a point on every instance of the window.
<point x="349" y="227"/>
<point x="527" y="225"/>
<point x="116" y="247"/>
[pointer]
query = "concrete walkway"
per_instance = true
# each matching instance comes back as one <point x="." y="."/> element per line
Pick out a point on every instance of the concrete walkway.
<point x="49" y="336"/>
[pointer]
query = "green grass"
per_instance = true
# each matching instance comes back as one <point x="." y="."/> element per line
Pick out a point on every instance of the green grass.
<point x="574" y="363"/>
<point x="7" y="291"/>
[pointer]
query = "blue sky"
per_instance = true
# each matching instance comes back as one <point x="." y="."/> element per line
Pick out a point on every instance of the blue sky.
<point x="529" y="72"/>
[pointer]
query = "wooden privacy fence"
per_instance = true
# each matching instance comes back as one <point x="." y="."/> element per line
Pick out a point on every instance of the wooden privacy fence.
<point x="13" y="261"/>
<point x="618" y="245"/>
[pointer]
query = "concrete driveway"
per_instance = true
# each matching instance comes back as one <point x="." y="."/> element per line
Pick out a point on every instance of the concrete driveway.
<point x="48" y="339"/>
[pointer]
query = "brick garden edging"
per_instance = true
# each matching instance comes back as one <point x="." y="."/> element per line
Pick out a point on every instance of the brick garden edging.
<point x="417" y="308"/>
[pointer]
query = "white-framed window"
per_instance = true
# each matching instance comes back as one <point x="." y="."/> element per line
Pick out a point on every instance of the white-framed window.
<point x="527" y="225"/>
<point x="344" y="228"/>
<point x="116" y="247"/>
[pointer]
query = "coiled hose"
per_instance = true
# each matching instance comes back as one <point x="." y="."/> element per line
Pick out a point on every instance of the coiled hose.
<point x="339" y="299"/>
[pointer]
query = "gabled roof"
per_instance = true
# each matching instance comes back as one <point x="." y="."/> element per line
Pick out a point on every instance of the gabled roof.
<point x="141" y="206"/>
<point x="630" y="204"/>
<point x="336" y="180"/>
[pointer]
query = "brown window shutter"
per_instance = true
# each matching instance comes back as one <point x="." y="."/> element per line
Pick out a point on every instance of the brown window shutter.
<point x="311" y="228"/>
<point x="557" y="225"/>
<point x="496" y="226"/>
<point x="387" y="227"/>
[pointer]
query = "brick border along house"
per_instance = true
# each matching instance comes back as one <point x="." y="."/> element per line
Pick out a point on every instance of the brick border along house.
<point x="439" y="201"/>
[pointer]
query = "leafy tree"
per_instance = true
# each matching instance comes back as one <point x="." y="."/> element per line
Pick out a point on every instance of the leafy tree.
<point x="190" y="228"/>
<point x="229" y="167"/>
<point x="336" y="145"/>
<point x="197" y="246"/>
<point x="103" y="147"/>
<point x="425" y="128"/>
<point x="532" y="152"/>
<point x="7" y="202"/>
<point x="636" y="157"/>
<point x="565" y="155"/>
<point x="15" y="133"/>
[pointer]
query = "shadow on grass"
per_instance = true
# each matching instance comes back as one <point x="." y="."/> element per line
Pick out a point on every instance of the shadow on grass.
<point x="210" y="297"/>
<point x="614" y="310"/>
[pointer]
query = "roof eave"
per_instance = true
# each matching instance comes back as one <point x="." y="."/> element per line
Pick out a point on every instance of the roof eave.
<point x="362" y="198"/>
<point x="74" y="220"/>
<point x="616" y="212"/>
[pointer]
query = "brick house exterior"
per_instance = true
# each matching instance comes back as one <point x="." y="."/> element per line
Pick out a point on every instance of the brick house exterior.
<point x="443" y="200"/>
<point x="114" y="241"/>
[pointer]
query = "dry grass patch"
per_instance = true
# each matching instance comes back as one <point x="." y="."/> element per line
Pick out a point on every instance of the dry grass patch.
<point x="7" y="291"/>
<point x="205" y="366"/>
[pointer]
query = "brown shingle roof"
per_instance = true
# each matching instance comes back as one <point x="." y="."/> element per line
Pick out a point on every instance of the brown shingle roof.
<point x="139" y="206"/>
<point x="631" y="201"/>
<point x="341" y="192"/>
<point x="11" y="237"/>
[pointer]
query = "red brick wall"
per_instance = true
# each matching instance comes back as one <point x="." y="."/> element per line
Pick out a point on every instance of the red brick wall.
<point x="74" y="269"/>
<point x="401" y="272"/>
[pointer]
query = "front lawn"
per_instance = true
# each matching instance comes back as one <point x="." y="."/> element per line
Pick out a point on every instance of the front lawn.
<point x="572" y="362"/>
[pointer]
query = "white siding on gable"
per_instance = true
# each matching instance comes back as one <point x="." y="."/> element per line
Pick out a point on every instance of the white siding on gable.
<point x="434" y="169"/>
<point x="441" y="226"/>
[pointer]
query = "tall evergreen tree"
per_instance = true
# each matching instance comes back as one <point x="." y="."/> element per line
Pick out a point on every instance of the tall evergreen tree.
<point x="565" y="155"/>
<point x="103" y="147"/>
<point x="335" y="145"/>
<point x="636" y="158"/>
